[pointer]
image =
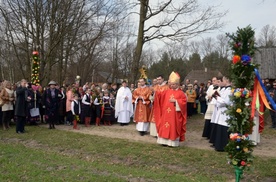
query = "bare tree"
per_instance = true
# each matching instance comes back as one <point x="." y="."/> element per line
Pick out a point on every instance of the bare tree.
<point x="121" y="47"/>
<point x="125" y="59"/>
<point x="207" y="46"/>
<point x="43" y="26"/>
<point x="267" y="37"/>
<point x="173" y="21"/>
<point x="222" y="46"/>
<point x="102" y="40"/>
<point x="64" y="32"/>
<point x="194" y="47"/>
<point x="178" y="50"/>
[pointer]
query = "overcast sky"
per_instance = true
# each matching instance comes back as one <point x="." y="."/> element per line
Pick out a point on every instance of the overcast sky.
<point x="241" y="13"/>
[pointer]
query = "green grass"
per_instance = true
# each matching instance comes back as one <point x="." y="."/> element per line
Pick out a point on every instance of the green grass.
<point x="55" y="155"/>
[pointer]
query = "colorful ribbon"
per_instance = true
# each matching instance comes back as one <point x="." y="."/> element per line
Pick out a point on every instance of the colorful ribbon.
<point x="261" y="85"/>
<point x="260" y="98"/>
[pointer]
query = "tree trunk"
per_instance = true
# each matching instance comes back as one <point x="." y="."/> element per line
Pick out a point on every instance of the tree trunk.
<point x="140" y="41"/>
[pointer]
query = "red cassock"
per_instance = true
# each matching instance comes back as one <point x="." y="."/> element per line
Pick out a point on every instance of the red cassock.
<point x="172" y="122"/>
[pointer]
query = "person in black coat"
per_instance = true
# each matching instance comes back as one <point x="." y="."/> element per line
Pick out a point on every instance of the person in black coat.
<point x="62" y="105"/>
<point x="202" y="98"/>
<point x="51" y="99"/>
<point x="21" y="106"/>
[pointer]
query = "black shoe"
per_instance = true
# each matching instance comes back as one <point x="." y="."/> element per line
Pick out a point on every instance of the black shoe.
<point x="142" y="133"/>
<point x="19" y="132"/>
<point x="121" y="124"/>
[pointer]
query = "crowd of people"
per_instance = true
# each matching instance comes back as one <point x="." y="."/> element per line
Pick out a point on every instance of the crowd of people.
<point x="160" y="109"/>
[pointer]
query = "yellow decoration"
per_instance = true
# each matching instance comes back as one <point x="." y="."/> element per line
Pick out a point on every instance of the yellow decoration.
<point x="237" y="94"/>
<point x="143" y="72"/>
<point x="238" y="110"/>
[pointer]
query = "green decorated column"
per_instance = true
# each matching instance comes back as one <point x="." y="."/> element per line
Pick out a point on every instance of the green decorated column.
<point x="35" y="68"/>
<point x="240" y="147"/>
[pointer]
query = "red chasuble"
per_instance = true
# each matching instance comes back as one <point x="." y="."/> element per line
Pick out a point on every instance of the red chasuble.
<point x="155" y="111"/>
<point x="172" y="123"/>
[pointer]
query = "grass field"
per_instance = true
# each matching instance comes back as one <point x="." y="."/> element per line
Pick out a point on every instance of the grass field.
<point x="55" y="155"/>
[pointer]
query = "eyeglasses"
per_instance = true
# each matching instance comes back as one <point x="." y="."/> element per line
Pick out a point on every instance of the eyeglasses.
<point x="274" y="85"/>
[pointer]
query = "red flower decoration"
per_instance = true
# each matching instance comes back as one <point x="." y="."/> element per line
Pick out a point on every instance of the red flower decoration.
<point x="243" y="163"/>
<point x="35" y="53"/>
<point x="236" y="59"/>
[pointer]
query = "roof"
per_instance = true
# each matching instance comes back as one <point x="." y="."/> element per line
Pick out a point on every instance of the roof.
<point x="202" y="76"/>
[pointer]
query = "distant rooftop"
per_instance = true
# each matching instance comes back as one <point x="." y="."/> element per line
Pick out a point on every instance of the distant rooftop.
<point x="202" y="76"/>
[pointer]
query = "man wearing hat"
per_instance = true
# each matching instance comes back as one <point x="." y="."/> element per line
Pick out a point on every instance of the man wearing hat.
<point x="171" y="127"/>
<point x="51" y="99"/>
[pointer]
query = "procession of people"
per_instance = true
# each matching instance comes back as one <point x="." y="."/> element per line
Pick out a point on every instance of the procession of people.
<point x="161" y="108"/>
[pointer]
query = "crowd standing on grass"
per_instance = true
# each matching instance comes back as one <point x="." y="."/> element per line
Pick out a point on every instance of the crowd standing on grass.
<point x="161" y="108"/>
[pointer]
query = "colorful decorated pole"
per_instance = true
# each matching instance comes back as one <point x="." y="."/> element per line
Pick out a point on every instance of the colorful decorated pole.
<point x="35" y="69"/>
<point x="249" y="96"/>
<point x="240" y="147"/>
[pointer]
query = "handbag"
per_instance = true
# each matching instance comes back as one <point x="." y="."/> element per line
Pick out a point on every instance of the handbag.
<point x="34" y="112"/>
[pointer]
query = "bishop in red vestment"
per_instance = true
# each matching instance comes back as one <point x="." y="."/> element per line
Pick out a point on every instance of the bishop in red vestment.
<point x="173" y="114"/>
